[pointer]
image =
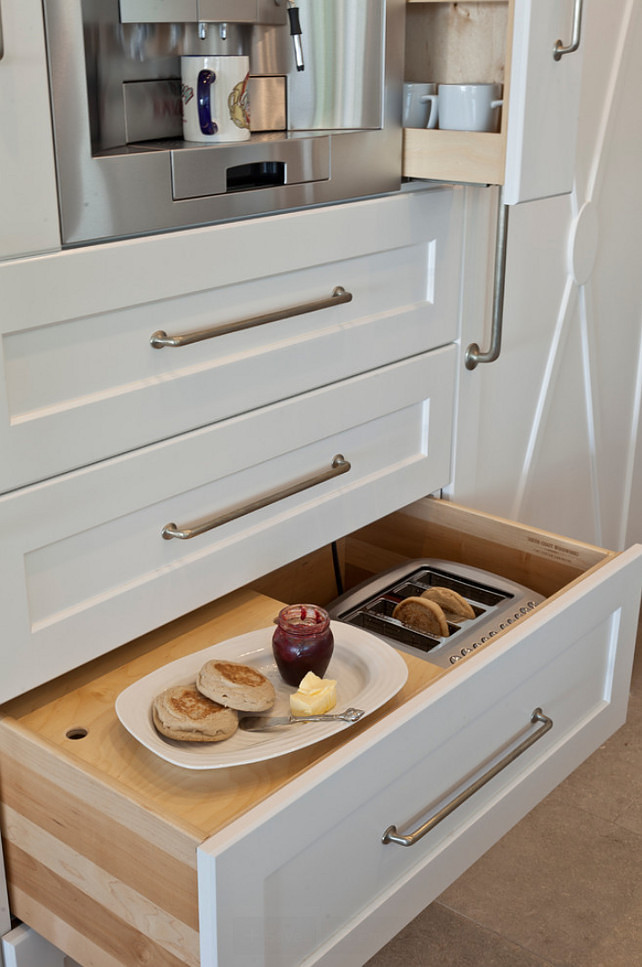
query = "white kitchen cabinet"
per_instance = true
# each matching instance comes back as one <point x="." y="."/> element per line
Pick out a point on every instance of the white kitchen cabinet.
<point x="85" y="565"/>
<point x="283" y="862"/>
<point x="543" y="110"/>
<point x="77" y="357"/>
<point x="96" y="829"/>
<point x="513" y="43"/>
<point x="23" y="947"/>
<point x="28" y="200"/>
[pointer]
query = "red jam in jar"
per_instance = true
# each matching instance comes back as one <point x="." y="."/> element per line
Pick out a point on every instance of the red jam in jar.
<point x="302" y="642"/>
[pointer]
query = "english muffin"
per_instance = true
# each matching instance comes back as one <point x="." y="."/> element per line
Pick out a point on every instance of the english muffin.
<point x="181" y="712"/>
<point x="452" y="604"/>
<point x="236" y="686"/>
<point x="422" y="615"/>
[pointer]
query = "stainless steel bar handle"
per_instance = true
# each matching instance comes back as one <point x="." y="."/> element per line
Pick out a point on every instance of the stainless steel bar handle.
<point x="474" y="355"/>
<point x="338" y="466"/>
<point x="392" y="836"/>
<point x="559" y="49"/>
<point x="1" y="37"/>
<point x="160" y="339"/>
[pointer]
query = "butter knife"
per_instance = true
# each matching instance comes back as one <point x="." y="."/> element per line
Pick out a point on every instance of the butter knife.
<point x="260" y="723"/>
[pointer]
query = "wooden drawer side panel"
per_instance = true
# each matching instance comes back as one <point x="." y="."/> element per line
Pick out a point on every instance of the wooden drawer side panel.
<point x="34" y="808"/>
<point x="69" y="906"/>
<point x="78" y="862"/>
<point x="437" y="528"/>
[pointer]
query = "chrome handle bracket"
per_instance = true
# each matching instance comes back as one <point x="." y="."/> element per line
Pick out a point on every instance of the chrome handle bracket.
<point x="474" y="355"/>
<point x="391" y="835"/>
<point x="338" y="466"/>
<point x="559" y="49"/>
<point x="160" y="339"/>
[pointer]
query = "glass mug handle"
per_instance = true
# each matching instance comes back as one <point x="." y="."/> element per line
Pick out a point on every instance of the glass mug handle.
<point x="434" y="109"/>
<point x="205" y="80"/>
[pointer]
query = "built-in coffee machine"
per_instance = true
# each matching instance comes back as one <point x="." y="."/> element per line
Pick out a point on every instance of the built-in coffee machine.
<point x="324" y="92"/>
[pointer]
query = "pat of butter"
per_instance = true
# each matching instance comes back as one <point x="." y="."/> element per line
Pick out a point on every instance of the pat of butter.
<point x="315" y="696"/>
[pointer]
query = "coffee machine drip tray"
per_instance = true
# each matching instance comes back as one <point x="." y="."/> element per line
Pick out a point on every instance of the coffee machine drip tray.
<point x="497" y="604"/>
<point x="264" y="161"/>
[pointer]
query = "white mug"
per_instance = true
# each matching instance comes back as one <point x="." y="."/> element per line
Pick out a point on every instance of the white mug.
<point x="469" y="107"/>
<point x="416" y="98"/>
<point x="214" y="94"/>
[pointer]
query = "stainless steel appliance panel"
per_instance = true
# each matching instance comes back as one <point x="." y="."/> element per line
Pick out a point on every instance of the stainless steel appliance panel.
<point x="496" y="601"/>
<point x="341" y="86"/>
<point x="277" y="163"/>
<point x="334" y="130"/>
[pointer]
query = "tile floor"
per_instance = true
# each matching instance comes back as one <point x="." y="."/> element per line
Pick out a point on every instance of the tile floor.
<point x="562" y="889"/>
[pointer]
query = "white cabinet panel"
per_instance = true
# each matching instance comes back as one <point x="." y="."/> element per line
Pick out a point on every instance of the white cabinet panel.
<point x="78" y="358"/>
<point x="324" y="888"/>
<point x="23" y="947"/>
<point x="28" y="202"/>
<point x="85" y="566"/>
<point x="544" y="102"/>
<point x="5" y="918"/>
<point x="563" y="403"/>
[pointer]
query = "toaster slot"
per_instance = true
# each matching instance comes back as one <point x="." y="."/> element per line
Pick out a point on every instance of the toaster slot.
<point x="416" y="590"/>
<point x="393" y="630"/>
<point x="476" y="594"/>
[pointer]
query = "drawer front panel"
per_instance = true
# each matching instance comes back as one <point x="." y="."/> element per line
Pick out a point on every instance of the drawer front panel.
<point x="86" y="567"/>
<point x="572" y="659"/>
<point x="67" y="375"/>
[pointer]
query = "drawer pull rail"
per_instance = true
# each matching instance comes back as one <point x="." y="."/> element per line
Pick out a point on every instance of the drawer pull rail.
<point x="474" y="354"/>
<point x="338" y="466"/>
<point x="160" y="339"/>
<point x="559" y="49"/>
<point x="392" y="836"/>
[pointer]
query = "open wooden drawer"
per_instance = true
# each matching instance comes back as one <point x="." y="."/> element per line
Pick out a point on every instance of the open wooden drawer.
<point x="109" y="850"/>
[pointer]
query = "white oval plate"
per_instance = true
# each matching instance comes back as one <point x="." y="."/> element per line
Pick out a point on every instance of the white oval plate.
<point x="368" y="673"/>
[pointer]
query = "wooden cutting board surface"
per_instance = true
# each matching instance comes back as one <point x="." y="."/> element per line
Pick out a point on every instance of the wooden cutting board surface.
<point x="199" y="803"/>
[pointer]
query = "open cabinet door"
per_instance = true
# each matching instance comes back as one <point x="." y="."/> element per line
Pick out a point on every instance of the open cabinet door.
<point x="544" y="100"/>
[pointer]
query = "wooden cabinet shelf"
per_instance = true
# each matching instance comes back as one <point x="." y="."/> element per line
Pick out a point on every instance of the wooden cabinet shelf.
<point x="453" y="43"/>
<point x="458" y="156"/>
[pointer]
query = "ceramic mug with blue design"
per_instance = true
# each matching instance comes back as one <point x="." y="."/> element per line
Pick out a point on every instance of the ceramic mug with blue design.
<point x="215" y="98"/>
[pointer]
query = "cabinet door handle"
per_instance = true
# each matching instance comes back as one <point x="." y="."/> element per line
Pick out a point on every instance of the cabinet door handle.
<point x="338" y="466"/>
<point x="1" y="37"/>
<point x="160" y="339"/>
<point x="392" y="836"/>
<point x="559" y="49"/>
<point x="473" y="354"/>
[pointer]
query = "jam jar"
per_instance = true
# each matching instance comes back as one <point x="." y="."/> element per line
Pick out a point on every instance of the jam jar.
<point x="302" y="642"/>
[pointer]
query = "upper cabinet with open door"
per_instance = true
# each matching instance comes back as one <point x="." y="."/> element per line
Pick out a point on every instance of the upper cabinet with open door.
<point x="533" y="48"/>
